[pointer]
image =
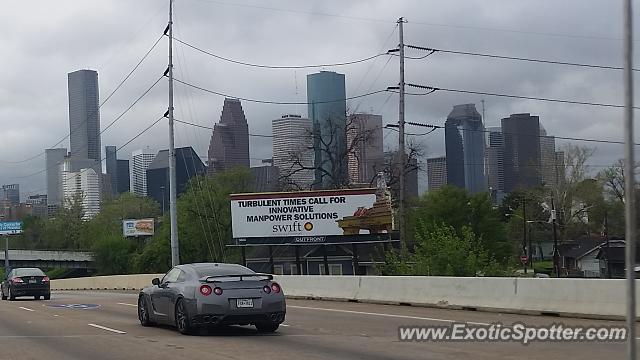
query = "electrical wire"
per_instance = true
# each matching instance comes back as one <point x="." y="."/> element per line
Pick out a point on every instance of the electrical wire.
<point x="274" y="102"/>
<point x="504" y="57"/>
<point x="98" y="109"/>
<point x="562" y="101"/>
<point x="276" y="66"/>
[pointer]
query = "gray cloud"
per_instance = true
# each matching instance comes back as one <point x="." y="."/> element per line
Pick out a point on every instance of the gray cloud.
<point x="46" y="40"/>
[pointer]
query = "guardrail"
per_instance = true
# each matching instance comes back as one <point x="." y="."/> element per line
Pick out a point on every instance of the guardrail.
<point x="594" y="298"/>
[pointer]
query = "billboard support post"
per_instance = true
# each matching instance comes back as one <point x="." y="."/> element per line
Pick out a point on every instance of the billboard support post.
<point x="271" y="265"/>
<point x="354" y="250"/>
<point x="325" y="259"/>
<point x="298" y="263"/>
<point x="244" y="256"/>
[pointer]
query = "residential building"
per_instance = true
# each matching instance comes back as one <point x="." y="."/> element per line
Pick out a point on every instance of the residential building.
<point x="229" y="145"/>
<point x="123" y="178"/>
<point x="366" y="153"/>
<point x="84" y="115"/>
<point x="112" y="169"/>
<point x="521" y="134"/>
<point x="327" y="106"/>
<point x="53" y="160"/>
<point x="188" y="165"/>
<point x="465" y="147"/>
<point x="293" y="151"/>
<point x="436" y="173"/>
<point x="140" y="160"/>
<point x="10" y="193"/>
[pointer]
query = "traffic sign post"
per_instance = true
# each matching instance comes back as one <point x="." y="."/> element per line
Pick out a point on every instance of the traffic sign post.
<point x="9" y="228"/>
<point x="524" y="259"/>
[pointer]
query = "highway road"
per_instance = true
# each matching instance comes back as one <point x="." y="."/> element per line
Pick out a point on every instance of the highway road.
<point x="313" y="330"/>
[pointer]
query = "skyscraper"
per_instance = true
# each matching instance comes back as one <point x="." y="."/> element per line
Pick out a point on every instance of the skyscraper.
<point x="437" y="172"/>
<point x="53" y="160"/>
<point x="124" y="178"/>
<point x="495" y="159"/>
<point x="547" y="158"/>
<point x="327" y="107"/>
<point x="112" y="168"/>
<point x="521" y="134"/>
<point x="293" y="151"/>
<point x="188" y="165"/>
<point x="140" y="160"/>
<point x="366" y="154"/>
<point x="84" y="114"/>
<point x="11" y="193"/>
<point x="465" y="146"/>
<point x="229" y="145"/>
<point x="81" y="184"/>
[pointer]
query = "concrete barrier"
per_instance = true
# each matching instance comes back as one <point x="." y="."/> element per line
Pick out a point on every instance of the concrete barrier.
<point x="595" y="298"/>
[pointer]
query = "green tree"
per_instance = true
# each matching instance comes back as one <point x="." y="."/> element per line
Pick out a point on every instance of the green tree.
<point x="111" y="254"/>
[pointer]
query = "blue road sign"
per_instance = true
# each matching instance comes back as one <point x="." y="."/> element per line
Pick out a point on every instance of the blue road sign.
<point x="10" y="227"/>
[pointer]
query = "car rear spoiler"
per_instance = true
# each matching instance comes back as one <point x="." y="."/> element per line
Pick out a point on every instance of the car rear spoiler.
<point x="214" y="277"/>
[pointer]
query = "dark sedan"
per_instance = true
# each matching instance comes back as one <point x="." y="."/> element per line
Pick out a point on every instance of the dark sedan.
<point x="26" y="282"/>
<point x="209" y="294"/>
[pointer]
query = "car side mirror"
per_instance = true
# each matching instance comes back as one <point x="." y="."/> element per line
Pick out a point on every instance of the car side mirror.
<point x="155" y="281"/>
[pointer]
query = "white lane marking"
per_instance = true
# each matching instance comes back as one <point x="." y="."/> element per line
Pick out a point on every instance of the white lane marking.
<point x="285" y="325"/>
<point x="56" y="315"/>
<point x="125" y="304"/>
<point x="108" y="329"/>
<point x="24" y="308"/>
<point x="387" y="315"/>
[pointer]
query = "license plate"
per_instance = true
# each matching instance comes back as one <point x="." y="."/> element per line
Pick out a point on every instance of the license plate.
<point x="32" y="281"/>
<point x="244" y="303"/>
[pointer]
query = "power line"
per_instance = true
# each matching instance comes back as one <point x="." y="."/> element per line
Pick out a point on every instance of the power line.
<point x="274" y="102"/>
<point x="103" y="130"/>
<point x="93" y="113"/>
<point x="504" y="57"/>
<point x="239" y="62"/>
<point x="393" y="126"/>
<point x="423" y="23"/>
<point x="575" y="102"/>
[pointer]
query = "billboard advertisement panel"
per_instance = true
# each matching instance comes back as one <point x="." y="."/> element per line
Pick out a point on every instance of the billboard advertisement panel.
<point x="311" y="213"/>
<point x="139" y="227"/>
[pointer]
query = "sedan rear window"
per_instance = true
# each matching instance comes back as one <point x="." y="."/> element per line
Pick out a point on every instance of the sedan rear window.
<point x="222" y="270"/>
<point x="28" y="272"/>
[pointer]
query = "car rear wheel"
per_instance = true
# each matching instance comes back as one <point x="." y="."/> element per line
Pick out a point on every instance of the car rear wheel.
<point x="182" y="318"/>
<point x="47" y="297"/>
<point x="36" y="297"/>
<point x="11" y="296"/>
<point x="143" y="312"/>
<point x="4" y="297"/>
<point x="267" y="327"/>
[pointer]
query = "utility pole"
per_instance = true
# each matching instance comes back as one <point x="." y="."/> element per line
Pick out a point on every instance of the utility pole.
<point x="524" y="233"/>
<point x="605" y="235"/>
<point x="556" y="259"/>
<point x="6" y="254"/>
<point x="173" y="214"/>
<point x="401" y="152"/>
<point x="629" y="181"/>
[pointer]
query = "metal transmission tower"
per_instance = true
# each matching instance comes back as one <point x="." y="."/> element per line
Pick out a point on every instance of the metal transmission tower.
<point x="175" y="248"/>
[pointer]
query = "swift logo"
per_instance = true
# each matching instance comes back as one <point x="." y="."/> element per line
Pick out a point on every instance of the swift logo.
<point x="294" y="227"/>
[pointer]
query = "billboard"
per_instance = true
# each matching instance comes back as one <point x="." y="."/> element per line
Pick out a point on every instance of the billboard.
<point x="311" y="213"/>
<point x="141" y="227"/>
<point x="10" y="227"/>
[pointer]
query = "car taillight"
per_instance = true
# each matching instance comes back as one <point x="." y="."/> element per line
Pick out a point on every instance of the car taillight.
<point x="275" y="288"/>
<point x="266" y="289"/>
<point x="205" y="290"/>
<point x="16" y="280"/>
<point x="45" y="279"/>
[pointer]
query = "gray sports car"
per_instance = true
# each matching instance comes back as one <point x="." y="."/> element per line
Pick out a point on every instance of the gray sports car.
<point x="208" y="294"/>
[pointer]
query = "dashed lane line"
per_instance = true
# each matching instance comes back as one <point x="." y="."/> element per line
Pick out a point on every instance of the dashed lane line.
<point x="25" y="308"/>
<point x="107" y="329"/>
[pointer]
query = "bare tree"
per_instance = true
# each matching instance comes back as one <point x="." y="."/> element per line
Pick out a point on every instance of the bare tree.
<point x="612" y="179"/>
<point x="330" y="163"/>
<point x="391" y="168"/>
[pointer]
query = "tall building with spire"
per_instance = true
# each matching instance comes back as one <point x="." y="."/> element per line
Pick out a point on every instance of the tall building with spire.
<point x="229" y="145"/>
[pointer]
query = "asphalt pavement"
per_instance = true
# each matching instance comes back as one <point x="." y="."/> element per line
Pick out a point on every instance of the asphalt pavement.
<point x="104" y="325"/>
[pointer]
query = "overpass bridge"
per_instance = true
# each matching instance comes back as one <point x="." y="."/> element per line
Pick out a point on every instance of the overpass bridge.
<point x="49" y="259"/>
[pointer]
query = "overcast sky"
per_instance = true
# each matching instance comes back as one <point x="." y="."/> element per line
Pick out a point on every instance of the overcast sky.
<point x="43" y="40"/>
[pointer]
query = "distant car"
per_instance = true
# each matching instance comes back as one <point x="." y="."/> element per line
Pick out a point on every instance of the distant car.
<point x="26" y="282"/>
<point x="208" y="294"/>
